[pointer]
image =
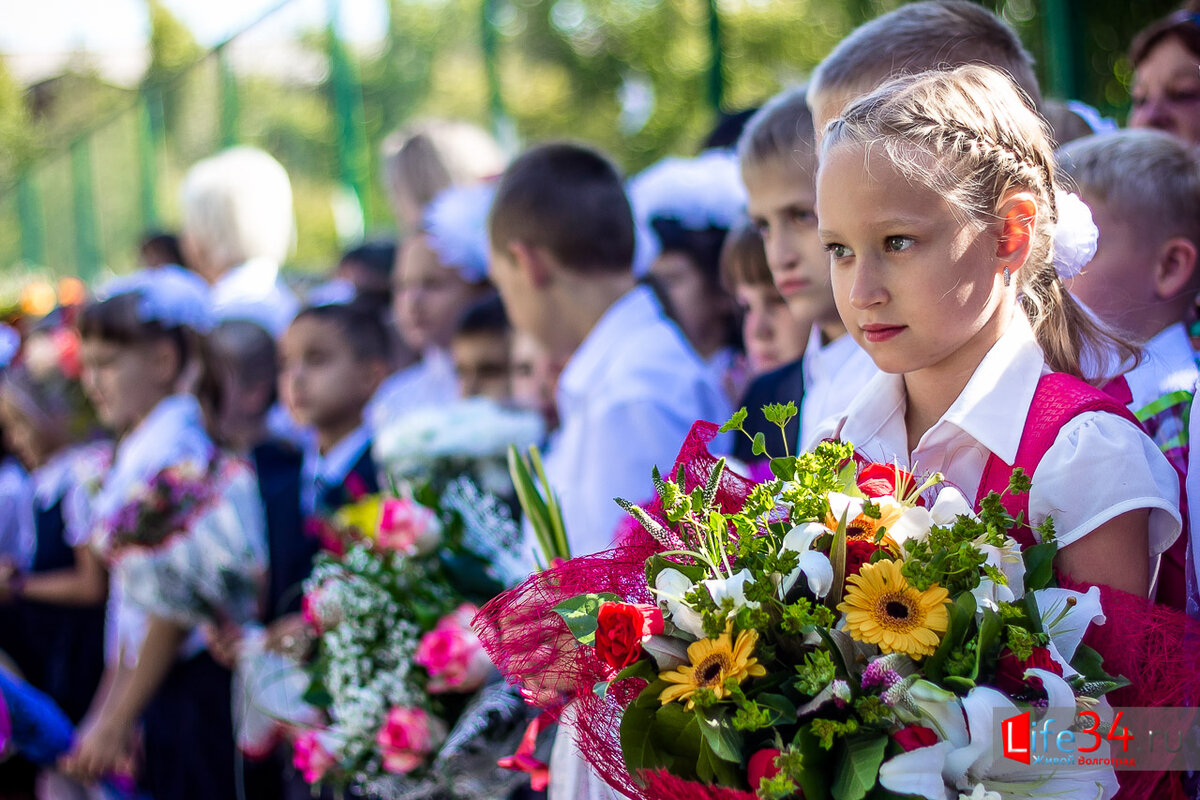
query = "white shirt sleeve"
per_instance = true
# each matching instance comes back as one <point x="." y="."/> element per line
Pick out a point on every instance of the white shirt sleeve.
<point x="624" y="441"/>
<point x="1099" y="467"/>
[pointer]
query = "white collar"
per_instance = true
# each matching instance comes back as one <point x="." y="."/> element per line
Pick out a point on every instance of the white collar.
<point x="257" y="274"/>
<point x="821" y="361"/>
<point x="52" y="480"/>
<point x="1168" y="365"/>
<point x="171" y="433"/>
<point x="991" y="408"/>
<point x="333" y="467"/>
<point x="587" y="365"/>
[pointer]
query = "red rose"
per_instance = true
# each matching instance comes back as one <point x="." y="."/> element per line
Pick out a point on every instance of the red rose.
<point x="858" y="552"/>
<point x="884" y="480"/>
<point x="914" y="737"/>
<point x="762" y="766"/>
<point x="1010" y="671"/>
<point x="620" y="630"/>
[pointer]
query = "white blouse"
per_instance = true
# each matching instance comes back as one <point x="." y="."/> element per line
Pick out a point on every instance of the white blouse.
<point x="1099" y="467"/>
<point x="834" y="375"/>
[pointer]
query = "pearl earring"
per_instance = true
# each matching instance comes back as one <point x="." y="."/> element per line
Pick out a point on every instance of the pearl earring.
<point x="1007" y="276"/>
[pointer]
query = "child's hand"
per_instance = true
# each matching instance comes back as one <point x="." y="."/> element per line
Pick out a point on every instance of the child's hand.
<point x="290" y="635"/>
<point x="224" y="643"/>
<point x="10" y="578"/>
<point x="101" y="748"/>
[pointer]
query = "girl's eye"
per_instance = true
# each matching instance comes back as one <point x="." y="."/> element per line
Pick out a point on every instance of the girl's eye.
<point x="896" y="244"/>
<point x="838" y="250"/>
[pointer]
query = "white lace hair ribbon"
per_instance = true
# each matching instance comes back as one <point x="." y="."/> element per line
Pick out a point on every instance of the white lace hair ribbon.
<point x="1075" y="236"/>
<point x="170" y="295"/>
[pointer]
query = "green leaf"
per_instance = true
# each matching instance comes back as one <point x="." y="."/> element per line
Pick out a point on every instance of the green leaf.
<point x="989" y="635"/>
<point x="642" y="668"/>
<point x="784" y="468"/>
<point x="735" y="422"/>
<point x="962" y="617"/>
<point x="1039" y="566"/>
<point x="725" y="742"/>
<point x="637" y="737"/>
<point x="782" y="709"/>
<point x="858" y="769"/>
<point x="580" y="612"/>
<point x="814" y="781"/>
<point x="759" y="445"/>
<point x="837" y="558"/>
<point x="317" y="695"/>
<point x="712" y="769"/>
<point x="714" y="481"/>
<point x="656" y="564"/>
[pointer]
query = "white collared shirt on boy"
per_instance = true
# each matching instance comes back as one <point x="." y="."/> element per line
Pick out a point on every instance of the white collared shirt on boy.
<point x="330" y="469"/>
<point x="834" y="374"/>
<point x="1162" y="385"/>
<point x="1100" y="465"/>
<point x="430" y="382"/>
<point x="627" y="398"/>
<point x="256" y="292"/>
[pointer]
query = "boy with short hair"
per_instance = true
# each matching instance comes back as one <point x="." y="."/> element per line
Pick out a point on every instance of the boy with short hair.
<point x="1143" y="188"/>
<point x="333" y="358"/>
<point x="777" y="153"/>
<point x="562" y="240"/>
<point x="482" y="352"/>
<point x="936" y="34"/>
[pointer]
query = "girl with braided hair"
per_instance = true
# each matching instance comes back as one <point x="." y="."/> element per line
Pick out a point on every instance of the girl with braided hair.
<point x="941" y="210"/>
<point x="949" y="237"/>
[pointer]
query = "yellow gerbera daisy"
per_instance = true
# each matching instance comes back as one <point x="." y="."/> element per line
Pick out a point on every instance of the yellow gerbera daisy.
<point x="882" y="608"/>
<point x="713" y="661"/>
<point x="363" y="516"/>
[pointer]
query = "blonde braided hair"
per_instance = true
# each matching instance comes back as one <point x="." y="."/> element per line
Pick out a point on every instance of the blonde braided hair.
<point x="972" y="135"/>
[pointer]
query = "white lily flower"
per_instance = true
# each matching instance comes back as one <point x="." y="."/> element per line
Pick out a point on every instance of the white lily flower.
<point x="813" y="565"/>
<point x="949" y="506"/>
<point x="733" y="587"/>
<point x="667" y="651"/>
<point x="913" y="524"/>
<point x="917" y="772"/>
<point x="670" y="586"/>
<point x="844" y="505"/>
<point x="981" y="792"/>
<point x="1066" y="616"/>
<point x="925" y="703"/>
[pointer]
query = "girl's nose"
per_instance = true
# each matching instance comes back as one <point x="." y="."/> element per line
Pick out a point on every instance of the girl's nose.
<point x="866" y="289"/>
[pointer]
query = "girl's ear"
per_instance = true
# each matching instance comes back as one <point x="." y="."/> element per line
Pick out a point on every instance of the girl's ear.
<point x="165" y="362"/>
<point x="1017" y="219"/>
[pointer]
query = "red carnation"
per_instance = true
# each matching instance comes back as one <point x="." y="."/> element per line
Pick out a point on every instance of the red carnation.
<point x="1010" y="671"/>
<point x="762" y="766"/>
<point x="886" y="480"/>
<point x="858" y="552"/>
<point x="914" y="737"/>
<point x="620" y="630"/>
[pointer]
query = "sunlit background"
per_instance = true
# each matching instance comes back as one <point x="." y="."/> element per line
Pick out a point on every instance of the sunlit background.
<point x="104" y="103"/>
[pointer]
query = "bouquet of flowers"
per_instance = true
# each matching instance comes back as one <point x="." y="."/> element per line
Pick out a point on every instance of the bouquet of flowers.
<point x="841" y="630"/>
<point x="184" y="549"/>
<point x="412" y="703"/>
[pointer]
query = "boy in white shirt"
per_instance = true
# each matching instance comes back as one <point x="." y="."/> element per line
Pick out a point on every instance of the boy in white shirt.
<point x="562" y="241"/>
<point x="777" y="154"/>
<point x="1143" y="188"/>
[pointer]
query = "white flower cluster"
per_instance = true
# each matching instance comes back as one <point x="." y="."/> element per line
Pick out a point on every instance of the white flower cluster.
<point x="370" y="651"/>
<point x="489" y="531"/>
<point x="475" y="428"/>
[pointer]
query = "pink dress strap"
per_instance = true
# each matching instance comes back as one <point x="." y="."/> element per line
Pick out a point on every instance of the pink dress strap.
<point x="1058" y="399"/>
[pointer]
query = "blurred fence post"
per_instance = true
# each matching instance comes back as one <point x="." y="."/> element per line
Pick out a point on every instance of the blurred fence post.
<point x="716" y="63"/>
<point x="31" y="221"/>
<point x="490" y="41"/>
<point x="229" y="99"/>
<point x="150" y="136"/>
<point x="353" y="157"/>
<point x="1059" y="24"/>
<point x="87" y="250"/>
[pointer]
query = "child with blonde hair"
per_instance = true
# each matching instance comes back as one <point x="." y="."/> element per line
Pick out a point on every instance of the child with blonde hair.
<point x="939" y="201"/>
<point x="948" y="232"/>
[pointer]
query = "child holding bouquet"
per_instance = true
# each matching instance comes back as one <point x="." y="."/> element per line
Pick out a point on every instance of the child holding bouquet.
<point x="180" y="528"/>
<point x="961" y="205"/>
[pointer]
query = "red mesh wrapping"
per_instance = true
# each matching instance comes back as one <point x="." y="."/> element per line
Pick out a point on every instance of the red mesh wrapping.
<point x="531" y="645"/>
<point x="662" y="785"/>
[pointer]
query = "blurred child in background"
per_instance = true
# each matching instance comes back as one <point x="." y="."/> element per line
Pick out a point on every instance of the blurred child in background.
<point x="482" y="352"/>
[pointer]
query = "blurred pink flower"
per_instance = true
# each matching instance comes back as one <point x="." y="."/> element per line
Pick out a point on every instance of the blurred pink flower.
<point x="311" y="757"/>
<point x="407" y="737"/>
<point x="408" y="527"/>
<point x="452" y="654"/>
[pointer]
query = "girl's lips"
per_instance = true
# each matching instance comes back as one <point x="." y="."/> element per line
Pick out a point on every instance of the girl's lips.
<point x="881" y="333"/>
